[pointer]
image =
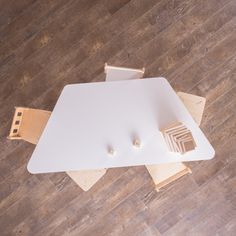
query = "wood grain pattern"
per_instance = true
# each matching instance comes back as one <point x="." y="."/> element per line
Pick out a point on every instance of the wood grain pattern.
<point x="45" y="45"/>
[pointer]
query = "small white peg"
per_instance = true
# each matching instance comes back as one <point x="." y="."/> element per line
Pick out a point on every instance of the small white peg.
<point x="136" y="143"/>
<point x="111" y="151"/>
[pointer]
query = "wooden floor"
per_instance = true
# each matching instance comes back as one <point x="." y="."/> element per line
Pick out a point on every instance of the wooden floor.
<point x="46" y="44"/>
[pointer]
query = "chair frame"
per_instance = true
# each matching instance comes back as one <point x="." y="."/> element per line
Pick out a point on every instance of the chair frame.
<point x="123" y="68"/>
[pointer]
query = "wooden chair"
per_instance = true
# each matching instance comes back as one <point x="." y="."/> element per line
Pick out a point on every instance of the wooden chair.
<point x="166" y="173"/>
<point x="114" y="73"/>
<point x="28" y="124"/>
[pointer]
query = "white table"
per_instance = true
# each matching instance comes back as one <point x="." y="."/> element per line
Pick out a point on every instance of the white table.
<point x="89" y="118"/>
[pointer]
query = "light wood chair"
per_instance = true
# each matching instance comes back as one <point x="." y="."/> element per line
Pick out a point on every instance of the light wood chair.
<point x="114" y="73"/>
<point x="28" y="124"/>
<point x="166" y="173"/>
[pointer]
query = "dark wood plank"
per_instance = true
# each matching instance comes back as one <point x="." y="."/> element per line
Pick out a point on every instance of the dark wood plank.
<point x="214" y="213"/>
<point x="175" y="61"/>
<point x="11" y="9"/>
<point x="47" y="78"/>
<point x="52" y="18"/>
<point x="122" y="188"/>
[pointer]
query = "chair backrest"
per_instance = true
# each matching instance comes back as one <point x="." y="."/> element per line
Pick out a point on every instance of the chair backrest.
<point x="195" y="105"/>
<point x="28" y="124"/>
<point x="114" y="73"/>
<point x="163" y="174"/>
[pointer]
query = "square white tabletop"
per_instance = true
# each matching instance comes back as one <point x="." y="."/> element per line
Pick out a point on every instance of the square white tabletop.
<point x="89" y="118"/>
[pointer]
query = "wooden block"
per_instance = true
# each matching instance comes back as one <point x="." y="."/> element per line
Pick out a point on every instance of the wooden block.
<point x="111" y="151"/>
<point x="178" y="138"/>
<point x="136" y="143"/>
